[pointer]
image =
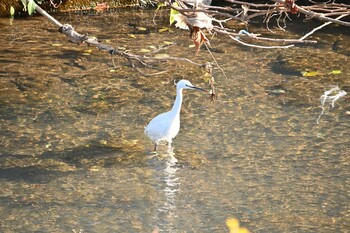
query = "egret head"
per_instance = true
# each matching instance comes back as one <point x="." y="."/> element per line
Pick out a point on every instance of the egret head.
<point x="185" y="84"/>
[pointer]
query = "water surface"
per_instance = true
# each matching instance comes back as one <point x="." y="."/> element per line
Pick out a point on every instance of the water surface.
<point x="74" y="157"/>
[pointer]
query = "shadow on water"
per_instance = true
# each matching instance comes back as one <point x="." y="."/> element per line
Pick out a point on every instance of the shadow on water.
<point x="30" y="174"/>
<point x="56" y="164"/>
<point x="96" y="157"/>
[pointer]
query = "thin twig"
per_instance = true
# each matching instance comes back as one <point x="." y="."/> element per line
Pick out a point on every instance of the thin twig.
<point x="260" y="46"/>
<point x="318" y="28"/>
<point x="216" y="62"/>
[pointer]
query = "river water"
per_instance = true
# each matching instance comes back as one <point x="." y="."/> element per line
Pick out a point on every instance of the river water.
<point x="74" y="157"/>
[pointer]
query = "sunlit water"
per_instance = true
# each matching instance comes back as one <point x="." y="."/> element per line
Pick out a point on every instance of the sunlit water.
<point x="74" y="157"/>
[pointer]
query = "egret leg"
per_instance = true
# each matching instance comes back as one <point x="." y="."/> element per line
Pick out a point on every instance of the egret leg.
<point x="169" y="144"/>
<point x="155" y="147"/>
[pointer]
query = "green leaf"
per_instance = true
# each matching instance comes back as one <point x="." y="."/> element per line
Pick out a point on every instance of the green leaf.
<point x="12" y="11"/>
<point x="31" y="7"/>
<point x="173" y="13"/>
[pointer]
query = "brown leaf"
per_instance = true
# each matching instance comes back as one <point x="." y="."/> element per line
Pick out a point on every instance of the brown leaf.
<point x="198" y="38"/>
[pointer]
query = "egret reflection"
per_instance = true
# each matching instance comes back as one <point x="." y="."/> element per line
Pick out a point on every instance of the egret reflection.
<point x="167" y="210"/>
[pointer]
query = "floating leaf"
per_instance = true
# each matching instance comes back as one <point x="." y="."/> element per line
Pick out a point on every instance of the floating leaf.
<point x="278" y="91"/>
<point x="335" y="72"/>
<point x="48" y="145"/>
<point x="94" y="168"/>
<point x="153" y="47"/>
<point x="132" y="36"/>
<point x="103" y="142"/>
<point x="12" y="11"/>
<point x="233" y="225"/>
<point x="243" y="230"/>
<point x="310" y="73"/>
<point x="56" y="45"/>
<point x="113" y="70"/>
<point x="141" y="29"/>
<point x="163" y="30"/>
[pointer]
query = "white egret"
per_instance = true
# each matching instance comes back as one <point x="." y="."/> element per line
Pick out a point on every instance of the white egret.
<point x="166" y="126"/>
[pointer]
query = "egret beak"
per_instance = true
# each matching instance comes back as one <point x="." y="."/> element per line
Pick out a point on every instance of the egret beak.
<point x="196" y="88"/>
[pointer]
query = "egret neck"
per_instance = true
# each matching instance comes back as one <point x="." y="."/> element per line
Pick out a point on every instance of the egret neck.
<point x="178" y="102"/>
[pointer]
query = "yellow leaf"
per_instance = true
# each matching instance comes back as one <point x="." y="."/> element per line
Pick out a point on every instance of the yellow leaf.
<point x="163" y="30"/>
<point x="56" y="45"/>
<point x="86" y="54"/>
<point x="103" y="142"/>
<point x="87" y="51"/>
<point x="310" y="73"/>
<point x="141" y="29"/>
<point x="335" y="72"/>
<point x="243" y="230"/>
<point x="132" y="36"/>
<point x="94" y="168"/>
<point x="233" y="225"/>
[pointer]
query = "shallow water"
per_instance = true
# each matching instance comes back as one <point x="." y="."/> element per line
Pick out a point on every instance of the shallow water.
<point x="74" y="157"/>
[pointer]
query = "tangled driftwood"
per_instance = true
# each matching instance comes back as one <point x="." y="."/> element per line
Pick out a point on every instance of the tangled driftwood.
<point x="245" y="11"/>
<point x="202" y="18"/>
